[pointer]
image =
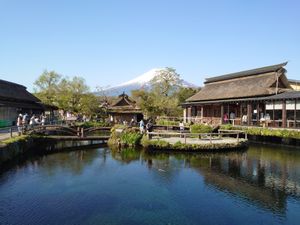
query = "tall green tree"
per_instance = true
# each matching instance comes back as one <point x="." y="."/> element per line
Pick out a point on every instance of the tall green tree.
<point x="68" y="94"/>
<point x="166" y="82"/>
<point x="46" y="86"/>
<point x="165" y="96"/>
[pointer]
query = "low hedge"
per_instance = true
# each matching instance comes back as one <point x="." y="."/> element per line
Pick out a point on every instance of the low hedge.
<point x="260" y="131"/>
<point x="163" y="145"/>
<point x="201" y="128"/>
<point x="167" y="123"/>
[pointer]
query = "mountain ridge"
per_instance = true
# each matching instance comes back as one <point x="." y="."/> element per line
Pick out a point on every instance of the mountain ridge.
<point x="142" y="81"/>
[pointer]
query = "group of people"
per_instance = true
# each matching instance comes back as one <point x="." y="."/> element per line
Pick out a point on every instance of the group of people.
<point x="23" y="121"/>
<point x="148" y="127"/>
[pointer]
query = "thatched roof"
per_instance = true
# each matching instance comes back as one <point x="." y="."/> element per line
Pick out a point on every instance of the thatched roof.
<point x="245" y="73"/>
<point x="16" y="95"/>
<point x="124" y="100"/>
<point x="13" y="91"/>
<point x="245" y="84"/>
<point x="124" y="105"/>
<point x="286" y="95"/>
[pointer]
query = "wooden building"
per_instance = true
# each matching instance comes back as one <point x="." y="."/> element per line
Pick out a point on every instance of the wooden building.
<point x="124" y="110"/>
<point x="261" y="96"/>
<point x="15" y="99"/>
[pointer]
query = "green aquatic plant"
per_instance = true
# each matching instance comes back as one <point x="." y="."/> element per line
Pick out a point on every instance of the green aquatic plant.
<point x="125" y="136"/>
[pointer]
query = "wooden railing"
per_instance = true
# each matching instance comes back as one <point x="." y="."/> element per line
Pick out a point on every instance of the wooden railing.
<point x="201" y="136"/>
<point x="13" y="131"/>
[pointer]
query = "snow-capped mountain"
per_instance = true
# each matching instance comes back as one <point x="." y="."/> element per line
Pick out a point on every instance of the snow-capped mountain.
<point x="142" y="81"/>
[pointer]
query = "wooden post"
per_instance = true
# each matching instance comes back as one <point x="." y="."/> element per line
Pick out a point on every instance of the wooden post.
<point x="78" y="131"/>
<point x="284" y="114"/>
<point x="210" y="139"/>
<point x="295" y="114"/>
<point x="202" y="113"/>
<point x="189" y="113"/>
<point x="11" y="133"/>
<point x="273" y="113"/>
<point x="246" y="136"/>
<point x="237" y="137"/>
<point x="82" y="132"/>
<point x="184" y="138"/>
<point x="257" y="114"/>
<point x="222" y="113"/>
<point x="241" y="113"/>
<point x="249" y="113"/>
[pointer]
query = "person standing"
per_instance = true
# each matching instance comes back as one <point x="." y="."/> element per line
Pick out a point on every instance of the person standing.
<point x="24" y="121"/>
<point x="181" y="128"/>
<point x="32" y="121"/>
<point x="19" y="124"/>
<point x="142" y="125"/>
<point x="43" y="120"/>
<point x="149" y="128"/>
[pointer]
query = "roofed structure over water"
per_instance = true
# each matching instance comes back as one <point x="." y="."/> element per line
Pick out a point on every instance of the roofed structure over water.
<point x="251" y="97"/>
<point x="124" y="110"/>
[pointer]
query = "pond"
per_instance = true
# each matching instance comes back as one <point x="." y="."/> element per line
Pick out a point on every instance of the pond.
<point x="103" y="186"/>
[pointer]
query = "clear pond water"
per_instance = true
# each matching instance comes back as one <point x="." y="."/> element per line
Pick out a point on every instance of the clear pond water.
<point x="102" y="186"/>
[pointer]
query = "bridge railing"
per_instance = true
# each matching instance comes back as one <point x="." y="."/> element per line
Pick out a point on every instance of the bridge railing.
<point x="8" y="132"/>
<point x="200" y="136"/>
<point x="13" y="131"/>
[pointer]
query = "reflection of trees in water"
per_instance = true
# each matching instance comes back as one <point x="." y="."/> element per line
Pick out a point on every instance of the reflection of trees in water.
<point x="165" y="166"/>
<point x="262" y="175"/>
<point x="256" y="175"/>
<point x="125" y="155"/>
<point x="73" y="161"/>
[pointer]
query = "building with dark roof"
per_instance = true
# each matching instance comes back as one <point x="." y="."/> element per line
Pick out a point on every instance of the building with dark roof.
<point x="123" y="110"/>
<point x="262" y="96"/>
<point x="15" y="99"/>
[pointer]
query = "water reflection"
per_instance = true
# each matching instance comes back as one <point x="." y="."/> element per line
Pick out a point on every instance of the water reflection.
<point x="264" y="177"/>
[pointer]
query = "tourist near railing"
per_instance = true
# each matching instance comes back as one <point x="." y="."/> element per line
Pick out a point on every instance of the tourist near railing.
<point x="199" y="136"/>
<point x="13" y="131"/>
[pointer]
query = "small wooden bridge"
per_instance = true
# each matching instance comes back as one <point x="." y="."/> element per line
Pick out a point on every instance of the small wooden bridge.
<point x="70" y="133"/>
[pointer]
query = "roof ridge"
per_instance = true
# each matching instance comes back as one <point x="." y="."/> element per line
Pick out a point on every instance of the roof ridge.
<point x="9" y="82"/>
<point x="245" y="73"/>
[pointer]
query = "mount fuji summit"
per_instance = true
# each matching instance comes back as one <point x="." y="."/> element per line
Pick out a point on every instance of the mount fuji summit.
<point x="142" y="81"/>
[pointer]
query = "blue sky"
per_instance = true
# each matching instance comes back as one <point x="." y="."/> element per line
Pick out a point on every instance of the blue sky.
<point x="109" y="42"/>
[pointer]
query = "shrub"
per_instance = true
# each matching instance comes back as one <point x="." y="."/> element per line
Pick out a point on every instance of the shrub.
<point x="162" y="122"/>
<point x="201" y="128"/>
<point x="129" y="136"/>
<point x="227" y="127"/>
